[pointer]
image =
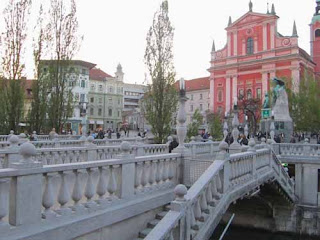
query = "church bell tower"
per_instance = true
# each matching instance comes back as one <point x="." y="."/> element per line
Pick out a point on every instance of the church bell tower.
<point x="315" y="37"/>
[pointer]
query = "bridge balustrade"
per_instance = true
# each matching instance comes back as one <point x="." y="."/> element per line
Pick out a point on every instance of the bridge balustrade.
<point x="196" y="212"/>
<point x="42" y="195"/>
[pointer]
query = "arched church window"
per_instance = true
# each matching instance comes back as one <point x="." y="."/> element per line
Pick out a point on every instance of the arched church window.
<point x="249" y="45"/>
<point x="317" y="33"/>
<point x="241" y="94"/>
<point x="249" y="94"/>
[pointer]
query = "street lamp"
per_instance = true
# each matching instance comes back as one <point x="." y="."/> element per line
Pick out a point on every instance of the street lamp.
<point x="83" y="114"/>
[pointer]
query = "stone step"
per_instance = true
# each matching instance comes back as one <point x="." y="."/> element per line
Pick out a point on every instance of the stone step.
<point x="153" y="223"/>
<point x="167" y="208"/>
<point x="161" y="215"/>
<point x="144" y="232"/>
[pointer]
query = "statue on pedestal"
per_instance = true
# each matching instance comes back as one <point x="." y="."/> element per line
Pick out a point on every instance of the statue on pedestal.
<point x="266" y="101"/>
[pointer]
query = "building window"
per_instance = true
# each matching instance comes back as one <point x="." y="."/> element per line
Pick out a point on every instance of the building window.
<point x="83" y="84"/>
<point x="82" y="97"/>
<point x="100" y="100"/>
<point x="92" y="100"/>
<point x="259" y="93"/>
<point x="201" y="107"/>
<point x="200" y="96"/>
<point x="191" y="108"/>
<point x="249" y="94"/>
<point x="317" y="33"/>
<point x="220" y="96"/>
<point x="191" y="96"/>
<point x="91" y="111"/>
<point x="249" y="45"/>
<point x="110" y="112"/>
<point x="100" y="88"/>
<point x="92" y="87"/>
<point x="110" y="89"/>
<point x="84" y="71"/>
<point x="100" y="111"/>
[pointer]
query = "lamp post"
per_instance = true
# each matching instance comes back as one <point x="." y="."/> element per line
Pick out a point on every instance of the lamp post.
<point x="83" y="114"/>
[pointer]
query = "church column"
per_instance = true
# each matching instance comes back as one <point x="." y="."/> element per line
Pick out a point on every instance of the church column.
<point x="255" y="46"/>
<point x="235" y="43"/>
<point x="229" y="44"/>
<point x="264" y="33"/>
<point x="212" y="99"/>
<point x="264" y="84"/>
<point x="272" y="35"/>
<point x="234" y="88"/>
<point x="227" y="91"/>
<point x="243" y="47"/>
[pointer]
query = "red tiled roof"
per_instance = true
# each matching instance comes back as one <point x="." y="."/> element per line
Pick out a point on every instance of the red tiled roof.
<point x="98" y="74"/>
<point x="195" y="84"/>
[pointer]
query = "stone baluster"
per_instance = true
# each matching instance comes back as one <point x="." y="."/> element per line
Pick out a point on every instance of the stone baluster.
<point x="144" y="174"/>
<point x="112" y="182"/>
<point x="4" y="203"/>
<point x="152" y="173"/>
<point x="77" y="192"/>
<point x="225" y="128"/>
<point x="171" y="168"/>
<point x="48" y="197"/>
<point x="102" y="185"/>
<point x="165" y="171"/>
<point x="89" y="190"/>
<point x="203" y="202"/>
<point x="158" y="171"/>
<point x="209" y="197"/>
<point x="138" y="176"/>
<point x="272" y="128"/>
<point x="64" y="195"/>
<point x="197" y="210"/>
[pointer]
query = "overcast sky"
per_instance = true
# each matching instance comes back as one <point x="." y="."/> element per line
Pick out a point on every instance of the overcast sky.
<point x="115" y="31"/>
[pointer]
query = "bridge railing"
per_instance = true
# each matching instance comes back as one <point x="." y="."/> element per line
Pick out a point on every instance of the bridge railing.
<point x="87" y="152"/>
<point x="196" y="212"/>
<point x="297" y="149"/>
<point x="45" y="194"/>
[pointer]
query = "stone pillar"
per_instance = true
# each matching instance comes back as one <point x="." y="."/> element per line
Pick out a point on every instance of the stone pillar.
<point x="264" y="84"/>
<point x="26" y="191"/>
<point x="92" y="149"/>
<point x="309" y="185"/>
<point x="212" y="94"/>
<point x="13" y="152"/>
<point x="255" y="44"/>
<point x="235" y="147"/>
<point x="243" y="47"/>
<point x="128" y="171"/>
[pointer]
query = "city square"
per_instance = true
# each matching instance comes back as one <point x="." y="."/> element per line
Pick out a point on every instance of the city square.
<point x="231" y="151"/>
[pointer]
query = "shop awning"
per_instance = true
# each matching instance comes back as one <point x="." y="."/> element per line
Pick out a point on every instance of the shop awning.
<point x="100" y="122"/>
<point x="91" y="121"/>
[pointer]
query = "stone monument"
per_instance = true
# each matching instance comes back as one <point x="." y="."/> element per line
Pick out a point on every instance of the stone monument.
<point x="280" y="111"/>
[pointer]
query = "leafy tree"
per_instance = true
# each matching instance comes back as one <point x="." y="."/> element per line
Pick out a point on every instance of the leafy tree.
<point x="214" y="125"/>
<point x="160" y="101"/>
<point x="304" y="105"/>
<point x="12" y="90"/>
<point x="193" y="127"/>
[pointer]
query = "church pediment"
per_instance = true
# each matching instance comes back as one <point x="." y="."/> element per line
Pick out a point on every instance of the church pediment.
<point x="250" y="18"/>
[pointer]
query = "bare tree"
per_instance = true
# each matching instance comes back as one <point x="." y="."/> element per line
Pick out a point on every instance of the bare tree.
<point x="16" y="17"/>
<point x="63" y="41"/>
<point x="160" y="102"/>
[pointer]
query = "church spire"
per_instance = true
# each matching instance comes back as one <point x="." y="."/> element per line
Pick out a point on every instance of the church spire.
<point x="250" y="6"/>
<point x="317" y="8"/>
<point x="268" y="8"/>
<point x="230" y="21"/>
<point x="273" y="11"/>
<point x="294" y="31"/>
<point x="213" y="49"/>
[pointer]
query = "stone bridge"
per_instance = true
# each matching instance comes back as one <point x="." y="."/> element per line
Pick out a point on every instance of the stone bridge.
<point x="118" y="198"/>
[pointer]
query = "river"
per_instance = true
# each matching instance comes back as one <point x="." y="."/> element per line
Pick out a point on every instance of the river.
<point x="238" y="233"/>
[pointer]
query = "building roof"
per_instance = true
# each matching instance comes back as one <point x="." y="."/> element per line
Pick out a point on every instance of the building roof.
<point x="304" y="54"/>
<point x="195" y="84"/>
<point x="98" y="74"/>
<point x="73" y="62"/>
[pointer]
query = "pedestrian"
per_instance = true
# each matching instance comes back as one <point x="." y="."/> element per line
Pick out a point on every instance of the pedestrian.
<point x="173" y="144"/>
